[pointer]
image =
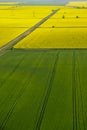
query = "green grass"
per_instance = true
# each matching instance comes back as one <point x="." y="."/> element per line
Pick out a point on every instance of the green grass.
<point x="43" y="89"/>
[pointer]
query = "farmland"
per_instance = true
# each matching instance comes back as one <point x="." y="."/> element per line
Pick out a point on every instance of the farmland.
<point x="22" y="101"/>
<point x="78" y="4"/>
<point x="16" y="19"/>
<point x="43" y="84"/>
<point x="67" y="11"/>
<point x="27" y="12"/>
<point x="52" y="38"/>
<point x="62" y="30"/>
<point x="8" y="34"/>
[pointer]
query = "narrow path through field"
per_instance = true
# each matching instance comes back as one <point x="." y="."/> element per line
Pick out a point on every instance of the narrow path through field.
<point x="74" y="94"/>
<point x="82" y="112"/>
<point x="77" y="95"/>
<point x="26" y="33"/>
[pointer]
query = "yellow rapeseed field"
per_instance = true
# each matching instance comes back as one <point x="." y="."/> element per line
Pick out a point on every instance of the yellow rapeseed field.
<point x="55" y="38"/>
<point x="5" y="7"/>
<point x="27" y="12"/>
<point x="65" y="23"/>
<point x="8" y="34"/>
<point x="71" y="13"/>
<point x="21" y="23"/>
<point x="78" y="3"/>
<point x="14" y="20"/>
<point x="66" y="29"/>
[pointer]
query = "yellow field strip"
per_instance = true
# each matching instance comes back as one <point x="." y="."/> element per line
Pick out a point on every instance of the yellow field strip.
<point x="78" y="3"/>
<point x="15" y="23"/>
<point x="71" y="13"/>
<point x="27" y="12"/>
<point x="65" y="23"/>
<point x="9" y="3"/>
<point x="55" y="38"/>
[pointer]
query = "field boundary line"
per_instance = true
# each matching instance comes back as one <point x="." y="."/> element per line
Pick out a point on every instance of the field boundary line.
<point x="65" y="27"/>
<point x="81" y="95"/>
<point x="48" y="49"/>
<point x="48" y="91"/>
<point x="11" y="43"/>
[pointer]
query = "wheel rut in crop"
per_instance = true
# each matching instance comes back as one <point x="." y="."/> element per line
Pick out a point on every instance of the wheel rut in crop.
<point x="81" y="95"/>
<point x="48" y="91"/>
<point x="77" y="96"/>
<point x="74" y="93"/>
<point x="12" y="72"/>
<point x="20" y="94"/>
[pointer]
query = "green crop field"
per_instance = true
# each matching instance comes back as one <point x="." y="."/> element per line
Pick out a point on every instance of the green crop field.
<point x="43" y="89"/>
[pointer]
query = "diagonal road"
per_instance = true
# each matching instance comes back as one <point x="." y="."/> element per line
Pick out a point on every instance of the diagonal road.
<point x="26" y="33"/>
